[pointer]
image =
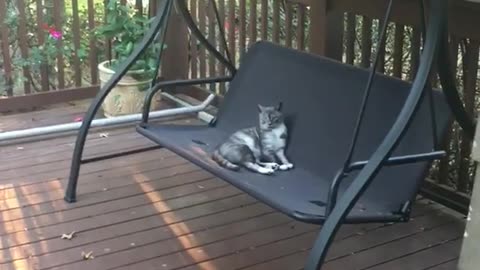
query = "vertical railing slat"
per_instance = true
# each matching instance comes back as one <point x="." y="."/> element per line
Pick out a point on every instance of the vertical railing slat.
<point x="139" y="6"/>
<point x="366" y="42"/>
<point x="221" y="67"/>
<point x="58" y="14"/>
<point x="276" y="21"/>
<point x="264" y="20"/>
<point x="7" y="62"/>
<point x="152" y="7"/>
<point x="77" y="69"/>
<point x="202" y="5"/>
<point x="242" y="27"/>
<point x="92" y="42"/>
<point x="108" y="42"/>
<point x="288" y="24"/>
<point x="350" y="38"/>
<point x="231" y="29"/>
<point x="45" y="85"/>
<point x="23" y="44"/>
<point x="398" y="50"/>
<point x="212" y="38"/>
<point x="253" y="22"/>
<point x="414" y="52"/>
<point x="300" y="27"/>
<point x="381" y="54"/>
<point x="193" y="42"/>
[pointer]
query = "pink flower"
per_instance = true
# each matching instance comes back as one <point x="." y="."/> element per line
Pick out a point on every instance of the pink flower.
<point x="227" y="26"/>
<point x="55" y="34"/>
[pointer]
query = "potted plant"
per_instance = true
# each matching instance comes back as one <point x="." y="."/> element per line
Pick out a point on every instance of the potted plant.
<point x="126" y="27"/>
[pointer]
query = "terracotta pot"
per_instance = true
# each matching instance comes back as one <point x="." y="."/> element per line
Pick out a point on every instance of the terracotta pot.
<point x="128" y="95"/>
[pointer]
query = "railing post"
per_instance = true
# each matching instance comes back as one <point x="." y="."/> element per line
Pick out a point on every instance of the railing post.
<point x="175" y="59"/>
<point x="326" y="29"/>
<point x="469" y="259"/>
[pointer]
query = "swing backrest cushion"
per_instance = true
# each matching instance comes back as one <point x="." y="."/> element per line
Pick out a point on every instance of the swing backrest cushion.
<point x="321" y="100"/>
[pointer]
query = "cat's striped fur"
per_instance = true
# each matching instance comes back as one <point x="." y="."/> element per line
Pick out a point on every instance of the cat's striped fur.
<point x="257" y="148"/>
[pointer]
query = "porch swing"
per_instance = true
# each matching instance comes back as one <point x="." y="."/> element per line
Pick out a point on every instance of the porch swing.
<point x="360" y="152"/>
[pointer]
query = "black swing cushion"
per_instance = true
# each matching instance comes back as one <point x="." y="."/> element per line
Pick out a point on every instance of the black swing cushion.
<point x="321" y="99"/>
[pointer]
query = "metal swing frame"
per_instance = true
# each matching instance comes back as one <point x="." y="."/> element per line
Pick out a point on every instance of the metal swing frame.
<point x="158" y="30"/>
<point x="436" y="43"/>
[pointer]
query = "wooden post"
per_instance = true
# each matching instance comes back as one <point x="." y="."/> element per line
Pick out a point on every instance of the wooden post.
<point x="175" y="58"/>
<point x="326" y="30"/>
<point x="469" y="259"/>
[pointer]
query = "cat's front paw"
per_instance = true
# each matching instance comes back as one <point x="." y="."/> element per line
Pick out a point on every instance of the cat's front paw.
<point x="266" y="170"/>
<point x="272" y="165"/>
<point x="285" y="167"/>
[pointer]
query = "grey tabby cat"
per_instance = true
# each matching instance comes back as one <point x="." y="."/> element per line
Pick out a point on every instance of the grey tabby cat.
<point x="257" y="148"/>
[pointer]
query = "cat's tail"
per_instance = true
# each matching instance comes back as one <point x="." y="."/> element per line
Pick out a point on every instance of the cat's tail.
<point x="217" y="157"/>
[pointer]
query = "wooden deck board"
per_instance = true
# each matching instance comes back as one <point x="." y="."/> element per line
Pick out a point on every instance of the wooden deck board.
<point x="155" y="210"/>
<point x="64" y="113"/>
<point x="448" y="265"/>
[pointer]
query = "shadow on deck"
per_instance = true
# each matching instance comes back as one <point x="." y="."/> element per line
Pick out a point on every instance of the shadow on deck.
<point x="155" y="210"/>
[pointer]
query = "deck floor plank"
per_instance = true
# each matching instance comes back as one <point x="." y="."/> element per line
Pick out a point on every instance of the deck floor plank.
<point x="155" y="210"/>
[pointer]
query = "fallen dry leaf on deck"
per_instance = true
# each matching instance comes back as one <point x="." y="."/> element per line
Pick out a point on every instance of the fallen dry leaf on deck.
<point x="87" y="256"/>
<point x="68" y="236"/>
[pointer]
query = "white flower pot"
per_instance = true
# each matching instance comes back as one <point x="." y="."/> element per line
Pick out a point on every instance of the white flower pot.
<point x="128" y="95"/>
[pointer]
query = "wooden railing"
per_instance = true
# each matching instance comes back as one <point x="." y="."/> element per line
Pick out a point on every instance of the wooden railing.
<point x="346" y="30"/>
<point x="284" y="22"/>
<point x="49" y="45"/>
<point x="27" y="28"/>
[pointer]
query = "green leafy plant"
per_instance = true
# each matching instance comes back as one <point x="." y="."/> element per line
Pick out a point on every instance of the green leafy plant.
<point x="126" y="28"/>
<point x="57" y="42"/>
<point x="47" y="52"/>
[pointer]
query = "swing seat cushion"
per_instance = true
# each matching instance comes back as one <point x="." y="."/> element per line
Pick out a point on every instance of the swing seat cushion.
<point x="321" y="99"/>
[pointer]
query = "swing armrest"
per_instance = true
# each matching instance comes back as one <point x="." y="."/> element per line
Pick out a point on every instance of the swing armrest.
<point x="401" y="160"/>
<point x="393" y="161"/>
<point x="175" y="83"/>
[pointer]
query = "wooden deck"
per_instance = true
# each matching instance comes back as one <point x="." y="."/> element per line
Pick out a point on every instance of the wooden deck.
<point x="155" y="210"/>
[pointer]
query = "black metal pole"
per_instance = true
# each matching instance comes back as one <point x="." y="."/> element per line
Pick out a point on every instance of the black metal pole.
<point x="447" y="79"/>
<point x="70" y="194"/>
<point x="431" y="102"/>
<point x="368" y="88"/>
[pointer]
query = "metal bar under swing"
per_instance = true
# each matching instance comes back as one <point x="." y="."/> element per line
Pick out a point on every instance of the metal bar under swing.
<point x="41" y="131"/>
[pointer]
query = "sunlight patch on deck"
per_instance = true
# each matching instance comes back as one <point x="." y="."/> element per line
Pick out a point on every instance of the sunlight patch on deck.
<point x="180" y="228"/>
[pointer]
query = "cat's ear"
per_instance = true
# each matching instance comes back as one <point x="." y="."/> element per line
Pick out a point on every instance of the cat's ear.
<point x="260" y="108"/>
<point x="279" y="106"/>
